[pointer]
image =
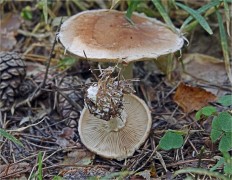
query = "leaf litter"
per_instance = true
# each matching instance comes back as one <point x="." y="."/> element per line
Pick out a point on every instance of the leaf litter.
<point x="65" y="156"/>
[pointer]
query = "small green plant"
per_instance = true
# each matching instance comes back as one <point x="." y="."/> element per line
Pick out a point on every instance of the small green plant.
<point x="27" y="13"/>
<point x="221" y="131"/>
<point x="66" y="62"/>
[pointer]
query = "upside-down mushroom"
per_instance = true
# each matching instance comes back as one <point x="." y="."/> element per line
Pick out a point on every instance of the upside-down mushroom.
<point x="107" y="36"/>
<point x="119" y="137"/>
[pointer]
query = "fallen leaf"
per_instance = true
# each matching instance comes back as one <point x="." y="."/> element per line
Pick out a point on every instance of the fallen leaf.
<point x="14" y="171"/>
<point x="192" y="98"/>
<point x="65" y="138"/>
<point x="197" y="67"/>
<point x="79" y="157"/>
<point x="67" y="133"/>
<point x="9" y="25"/>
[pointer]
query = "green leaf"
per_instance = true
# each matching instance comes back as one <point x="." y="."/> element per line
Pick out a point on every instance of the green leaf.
<point x="219" y="163"/>
<point x="207" y="111"/>
<point x="225" y="100"/>
<point x="225" y="121"/>
<point x="216" y="131"/>
<point x="215" y="134"/>
<point x="164" y="14"/>
<point x="66" y="62"/>
<point x="171" y="140"/>
<point x="26" y="13"/>
<point x="197" y="16"/>
<point x="228" y="168"/>
<point x="226" y="142"/>
<point x="228" y="163"/>
<point x="10" y="137"/>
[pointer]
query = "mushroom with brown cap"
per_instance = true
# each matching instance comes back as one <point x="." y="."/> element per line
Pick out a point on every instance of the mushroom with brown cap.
<point x="119" y="137"/>
<point x="107" y="36"/>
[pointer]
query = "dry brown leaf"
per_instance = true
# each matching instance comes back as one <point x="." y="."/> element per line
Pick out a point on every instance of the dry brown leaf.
<point x="9" y="26"/>
<point x="79" y="157"/>
<point x="14" y="171"/>
<point x="65" y="138"/>
<point x="192" y="98"/>
<point x="204" y="67"/>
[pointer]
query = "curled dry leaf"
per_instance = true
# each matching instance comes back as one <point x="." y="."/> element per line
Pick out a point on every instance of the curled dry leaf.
<point x="192" y="98"/>
<point x="9" y="25"/>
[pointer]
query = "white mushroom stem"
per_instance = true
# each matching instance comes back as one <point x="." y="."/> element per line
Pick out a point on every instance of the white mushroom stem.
<point x="117" y="123"/>
<point x="127" y="71"/>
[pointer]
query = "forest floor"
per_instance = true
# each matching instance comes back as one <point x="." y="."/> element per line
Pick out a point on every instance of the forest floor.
<point x="51" y="138"/>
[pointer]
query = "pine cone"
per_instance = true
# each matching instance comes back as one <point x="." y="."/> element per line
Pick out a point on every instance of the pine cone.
<point x="70" y="87"/>
<point x="12" y="70"/>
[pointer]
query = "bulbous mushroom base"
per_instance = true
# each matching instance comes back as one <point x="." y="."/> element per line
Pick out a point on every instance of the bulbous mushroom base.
<point x="117" y="138"/>
<point x="117" y="123"/>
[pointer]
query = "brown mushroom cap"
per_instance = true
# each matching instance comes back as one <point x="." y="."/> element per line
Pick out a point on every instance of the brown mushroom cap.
<point x="106" y="35"/>
<point x="96" y="135"/>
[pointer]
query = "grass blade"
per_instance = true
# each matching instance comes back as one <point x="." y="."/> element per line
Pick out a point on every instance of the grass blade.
<point x="200" y="10"/>
<point x="227" y="14"/>
<point x="197" y="16"/>
<point x="45" y="10"/>
<point x="40" y="164"/>
<point x="114" y="3"/>
<point x="164" y="14"/>
<point x="224" y="44"/>
<point x="132" y="6"/>
<point x="10" y="137"/>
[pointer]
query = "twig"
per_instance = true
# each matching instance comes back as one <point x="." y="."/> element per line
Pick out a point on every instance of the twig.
<point x="23" y="128"/>
<point x="199" y="160"/>
<point x="149" y="158"/>
<point x="50" y="55"/>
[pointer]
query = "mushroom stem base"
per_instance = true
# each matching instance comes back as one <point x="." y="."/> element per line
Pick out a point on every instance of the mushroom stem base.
<point x="127" y="71"/>
<point x="117" y="123"/>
